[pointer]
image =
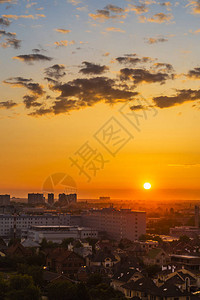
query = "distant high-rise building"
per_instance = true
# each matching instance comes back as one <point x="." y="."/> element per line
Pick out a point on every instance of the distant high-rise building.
<point x="66" y="199"/>
<point x="51" y="198"/>
<point x="4" y="200"/>
<point x="118" y="224"/>
<point x="36" y="198"/>
<point x="196" y="212"/>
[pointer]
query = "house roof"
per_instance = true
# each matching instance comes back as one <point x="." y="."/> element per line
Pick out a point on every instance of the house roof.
<point x="101" y="256"/>
<point x="30" y="244"/>
<point x="51" y="276"/>
<point x="143" y="285"/>
<point x="176" y="279"/>
<point x="61" y="254"/>
<point x="154" y="252"/>
<point x="124" y="275"/>
<point x="171" y="290"/>
<point x="16" y="248"/>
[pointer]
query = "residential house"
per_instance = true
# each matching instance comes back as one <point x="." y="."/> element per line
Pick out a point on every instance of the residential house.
<point x="63" y="261"/>
<point x="157" y="256"/>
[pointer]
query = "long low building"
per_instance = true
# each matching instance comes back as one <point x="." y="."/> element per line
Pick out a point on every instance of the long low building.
<point x="57" y="234"/>
<point x="25" y="222"/>
<point x="118" y="224"/>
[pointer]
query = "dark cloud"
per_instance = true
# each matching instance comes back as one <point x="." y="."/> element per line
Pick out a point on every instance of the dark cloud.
<point x="163" y="67"/>
<point x="10" y="40"/>
<point x="93" y="69"/>
<point x="195" y="73"/>
<point x="31" y="101"/>
<point x="56" y="71"/>
<point x="142" y="75"/>
<point x="64" y="105"/>
<point x="109" y="12"/>
<point x="40" y="112"/>
<point x="7" y="104"/>
<point x="81" y="93"/>
<point x="29" y="58"/>
<point x="4" y="21"/>
<point x="132" y="59"/>
<point x="8" y="34"/>
<point x="36" y="50"/>
<point x="35" y="88"/>
<point x="181" y="97"/>
<point x="156" y="40"/>
<point x="114" y="8"/>
<point x="137" y="107"/>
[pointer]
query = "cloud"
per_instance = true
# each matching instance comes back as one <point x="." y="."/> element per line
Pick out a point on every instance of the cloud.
<point x="157" y="18"/>
<point x="93" y="69"/>
<point x="194" y="74"/>
<point x="82" y="93"/>
<point x="195" y="4"/>
<point x="7" y="104"/>
<point x="144" y="76"/>
<point x="64" y="43"/>
<point x="137" y="107"/>
<point x="163" y="67"/>
<point x="138" y="9"/>
<point x="16" y="17"/>
<point x="180" y="97"/>
<point x="74" y="2"/>
<point x="114" y="8"/>
<point x="40" y="112"/>
<point x="60" y="30"/>
<point x="184" y="165"/>
<point x="4" y="22"/>
<point x="5" y="1"/>
<point x="55" y="71"/>
<point x="166" y="4"/>
<point x="10" y="41"/>
<point x="156" y="40"/>
<point x="30" y="101"/>
<point x="132" y="59"/>
<point x="114" y="29"/>
<point x="109" y="12"/>
<point x="30" y="58"/>
<point x="35" y="88"/>
<point x="8" y="34"/>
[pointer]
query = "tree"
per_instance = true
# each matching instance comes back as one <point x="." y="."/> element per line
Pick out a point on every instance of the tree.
<point x="60" y="290"/>
<point x="153" y="270"/>
<point x="184" y="239"/>
<point x="21" y="287"/>
<point x="94" y="279"/>
<point x="3" y="288"/>
<point x="66" y="242"/>
<point x="35" y="272"/>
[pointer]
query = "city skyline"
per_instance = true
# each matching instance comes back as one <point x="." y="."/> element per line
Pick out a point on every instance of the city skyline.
<point x="119" y="79"/>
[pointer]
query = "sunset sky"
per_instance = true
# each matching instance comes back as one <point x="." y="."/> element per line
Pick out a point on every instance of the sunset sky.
<point x="106" y="92"/>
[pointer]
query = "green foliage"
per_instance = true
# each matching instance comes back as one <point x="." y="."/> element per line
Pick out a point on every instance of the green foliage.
<point x="152" y="270"/>
<point x="21" y="287"/>
<point x="184" y="239"/>
<point x="66" y="242"/>
<point x="35" y="272"/>
<point x="94" y="279"/>
<point x="45" y="244"/>
<point x="3" y="288"/>
<point x="63" y="290"/>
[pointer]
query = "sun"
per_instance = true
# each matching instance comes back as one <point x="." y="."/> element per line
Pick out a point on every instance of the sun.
<point x="147" y="186"/>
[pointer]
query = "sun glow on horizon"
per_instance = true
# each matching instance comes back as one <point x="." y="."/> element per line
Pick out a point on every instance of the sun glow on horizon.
<point x="147" y="186"/>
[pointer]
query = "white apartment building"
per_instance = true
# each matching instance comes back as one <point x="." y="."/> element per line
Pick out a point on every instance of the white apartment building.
<point x="118" y="224"/>
<point x="57" y="234"/>
<point x="25" y="222"/>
